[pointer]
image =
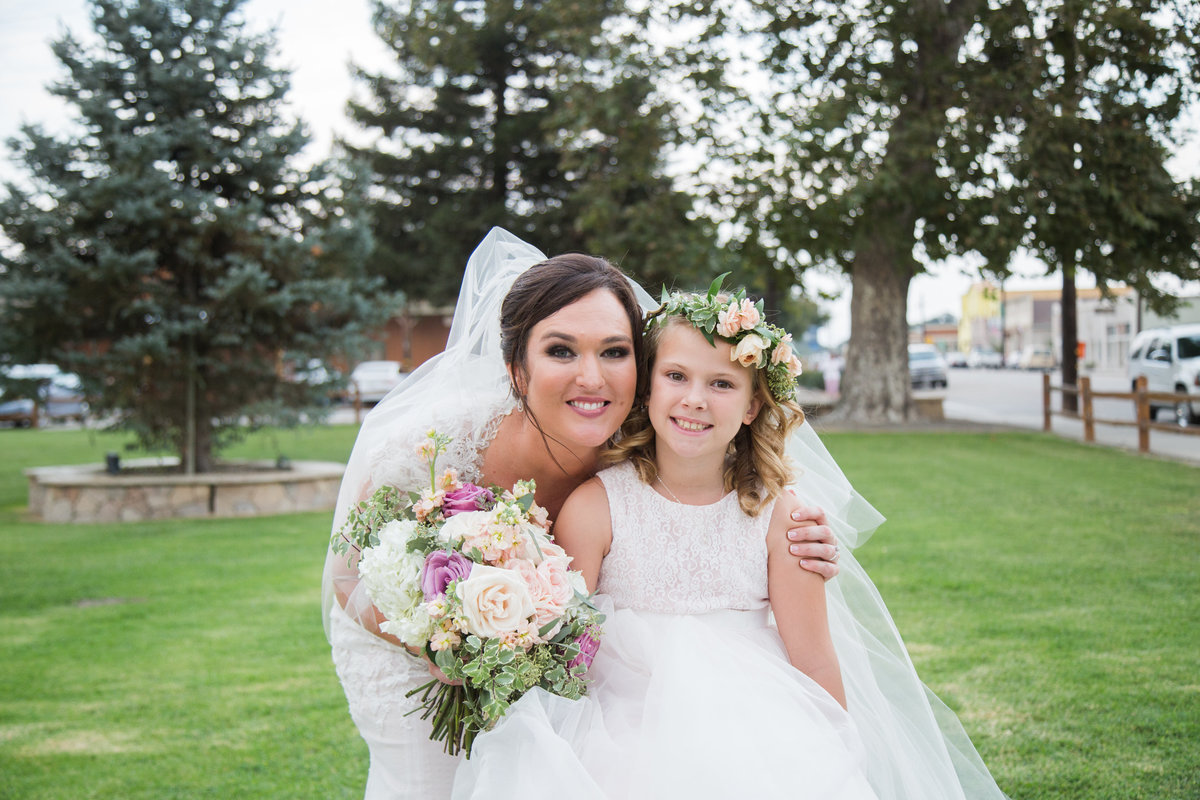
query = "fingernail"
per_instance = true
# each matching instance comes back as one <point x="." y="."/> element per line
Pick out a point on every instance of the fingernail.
<point x="795" y="537"/>
<point x="795" y="550"/>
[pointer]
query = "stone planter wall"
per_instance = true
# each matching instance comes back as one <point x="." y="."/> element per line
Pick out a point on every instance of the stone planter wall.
<point x="87" y="493"/>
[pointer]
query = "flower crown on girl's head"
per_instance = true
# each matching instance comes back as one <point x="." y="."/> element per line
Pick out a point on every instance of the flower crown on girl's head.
<point x="740" y="322"/>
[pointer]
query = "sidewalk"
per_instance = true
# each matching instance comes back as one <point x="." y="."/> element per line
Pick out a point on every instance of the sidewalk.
<point x="1179" y="447"/>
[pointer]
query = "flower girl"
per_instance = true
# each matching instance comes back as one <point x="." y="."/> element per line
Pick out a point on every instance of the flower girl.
<point x="694" y="693"/>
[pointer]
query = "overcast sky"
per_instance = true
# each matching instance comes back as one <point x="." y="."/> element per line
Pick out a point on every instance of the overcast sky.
<point x="318" y="39"/>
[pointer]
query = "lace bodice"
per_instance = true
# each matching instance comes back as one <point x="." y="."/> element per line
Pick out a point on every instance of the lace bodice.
<point x="472" y="428"/>
<point x="679" y="559"/>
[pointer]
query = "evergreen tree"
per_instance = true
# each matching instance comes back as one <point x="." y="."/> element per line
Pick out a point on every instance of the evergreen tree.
<point x="541" y="117"/>
<point x="169" y="251"/>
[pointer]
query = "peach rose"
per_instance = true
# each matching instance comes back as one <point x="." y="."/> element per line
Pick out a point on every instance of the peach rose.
<point x="749" y="351"/>
<point x="556" y="574"/>
<point x="494" y="601"/>
<point x="794" y="367"/>
<point x="782" y="353"/>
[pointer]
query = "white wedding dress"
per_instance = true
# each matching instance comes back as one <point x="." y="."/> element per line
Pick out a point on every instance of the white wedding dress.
<point x="692" y="695"/>
<point x="916" y="750"/>
<point x="376" y="674"/>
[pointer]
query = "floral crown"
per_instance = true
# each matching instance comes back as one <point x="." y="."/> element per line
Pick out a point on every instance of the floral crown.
<point x="737" y="320"/>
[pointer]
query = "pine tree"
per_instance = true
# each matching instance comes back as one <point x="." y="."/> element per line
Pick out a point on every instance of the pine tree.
<point x="169" y="250"/>
<point x="536" y="116"/>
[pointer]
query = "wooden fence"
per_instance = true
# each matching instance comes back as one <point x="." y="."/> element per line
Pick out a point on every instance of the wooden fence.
<point x="1141" y="404"/>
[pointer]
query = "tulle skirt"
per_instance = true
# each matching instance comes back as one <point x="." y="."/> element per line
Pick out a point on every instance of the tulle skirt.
<point x="702" y="706"/>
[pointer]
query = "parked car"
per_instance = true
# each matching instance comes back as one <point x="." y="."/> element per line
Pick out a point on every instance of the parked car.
<point x="926" y="367"/>
<point x="1037" y="358"/>
<point x="956" y="359"/>
<point x="371" y="380"/>
<point x="1169" y="358"/>
<point x="984" y="358"/>
<point x="59" y="397"/>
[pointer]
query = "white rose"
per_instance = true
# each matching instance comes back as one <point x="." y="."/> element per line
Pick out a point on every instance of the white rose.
<point x="461" y="526"/>
<point x="494" y="601"/>
<point x="749" y="350"/>
<point x="538" y="545"/>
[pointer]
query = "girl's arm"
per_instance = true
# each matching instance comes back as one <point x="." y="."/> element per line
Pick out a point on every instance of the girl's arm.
<point x="584" y="529"/>
<point x="798" y="602"/>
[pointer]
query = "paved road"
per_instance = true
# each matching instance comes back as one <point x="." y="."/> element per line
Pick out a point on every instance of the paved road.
<point x="1014" y="397"/>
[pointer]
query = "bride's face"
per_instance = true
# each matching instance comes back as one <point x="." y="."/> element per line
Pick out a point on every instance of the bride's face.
<point x="580" y="372"/>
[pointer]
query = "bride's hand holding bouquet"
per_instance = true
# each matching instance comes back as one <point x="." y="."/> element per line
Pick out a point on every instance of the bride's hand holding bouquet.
<point x="470" y="577"/>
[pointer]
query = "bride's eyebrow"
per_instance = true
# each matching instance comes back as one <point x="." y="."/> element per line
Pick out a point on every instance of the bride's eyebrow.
<point x="571" y="339"/>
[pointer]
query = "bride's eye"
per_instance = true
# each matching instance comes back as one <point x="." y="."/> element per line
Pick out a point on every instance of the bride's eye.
<point x="616" y="352"/>
<point x="559" y="351"/>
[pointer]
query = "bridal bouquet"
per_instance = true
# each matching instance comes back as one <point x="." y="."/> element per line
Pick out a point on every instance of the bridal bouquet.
<point x="471" y="577"/>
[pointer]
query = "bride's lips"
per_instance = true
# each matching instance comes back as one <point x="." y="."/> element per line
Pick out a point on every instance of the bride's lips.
<point x="589" y="406"/>
<point x="690" y="425"/>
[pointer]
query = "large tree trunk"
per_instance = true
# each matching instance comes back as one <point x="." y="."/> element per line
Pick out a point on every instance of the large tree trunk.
<point x="875" y="387"/>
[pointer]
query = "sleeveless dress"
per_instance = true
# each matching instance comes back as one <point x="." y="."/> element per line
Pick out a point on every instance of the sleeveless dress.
<point x="376" y="674"/>
<point x="691" y="691"/>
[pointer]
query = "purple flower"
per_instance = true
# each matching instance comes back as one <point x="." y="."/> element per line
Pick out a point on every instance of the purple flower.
<point x="440" y="568"/>
<point x="467" y="498"/>
<point x="588" y="643"/>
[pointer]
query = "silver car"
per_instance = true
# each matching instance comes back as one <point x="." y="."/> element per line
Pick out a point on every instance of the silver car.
<point x="926" y="367"/>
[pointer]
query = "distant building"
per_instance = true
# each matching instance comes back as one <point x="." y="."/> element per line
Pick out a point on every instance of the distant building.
<point x="1016" y="322"/>
<point x="415" y="335"/>
<point x="941" y="332"/>
<point x="1188" y="312"/>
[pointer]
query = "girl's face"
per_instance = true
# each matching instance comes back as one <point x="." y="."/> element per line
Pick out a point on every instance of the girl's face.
<point x="699" y="398"/>
<point x="580" y="373"/>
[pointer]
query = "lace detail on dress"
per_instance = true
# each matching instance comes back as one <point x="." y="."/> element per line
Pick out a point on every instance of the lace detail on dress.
<point x="395" y="462"/>
<point x="679" y="559"/>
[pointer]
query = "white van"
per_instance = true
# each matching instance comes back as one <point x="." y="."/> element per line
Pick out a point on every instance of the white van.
<point x="1170" y="360"/>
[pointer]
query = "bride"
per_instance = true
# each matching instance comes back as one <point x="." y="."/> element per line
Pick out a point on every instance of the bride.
<point x="540" y="369"/>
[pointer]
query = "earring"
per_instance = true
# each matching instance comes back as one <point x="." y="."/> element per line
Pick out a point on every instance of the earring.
<point x="520" y="405"/>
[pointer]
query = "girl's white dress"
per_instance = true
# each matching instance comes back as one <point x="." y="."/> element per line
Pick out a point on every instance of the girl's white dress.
<point x="692" y="694"/>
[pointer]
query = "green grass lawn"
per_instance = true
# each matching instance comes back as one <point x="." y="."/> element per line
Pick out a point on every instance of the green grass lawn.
<point x="1049" y="592"/>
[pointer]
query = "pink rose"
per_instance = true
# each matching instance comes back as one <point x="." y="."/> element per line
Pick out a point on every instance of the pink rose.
<point x="749" y="315"/>
<point x="467" y="497"/>
<point x="543" y="591"/>
<point x="729" y="320"/>
<point x="442" y="567"/>
<point x="556" y="574"/>
<point x="782" y="354"/>
<point x="588" y="643"/>
<point x="794" y="367"/>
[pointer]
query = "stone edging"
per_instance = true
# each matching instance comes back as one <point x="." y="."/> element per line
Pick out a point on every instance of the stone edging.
<point x="86" y="493"/>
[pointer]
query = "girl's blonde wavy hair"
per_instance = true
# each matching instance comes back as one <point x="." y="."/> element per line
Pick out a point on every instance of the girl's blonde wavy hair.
<point x="756" y="466"/>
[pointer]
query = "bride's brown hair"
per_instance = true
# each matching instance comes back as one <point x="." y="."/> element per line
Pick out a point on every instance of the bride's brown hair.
<point x="756" y="467"/>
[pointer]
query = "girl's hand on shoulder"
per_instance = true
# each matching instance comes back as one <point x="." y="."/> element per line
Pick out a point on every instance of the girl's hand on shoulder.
<point x="812" y="540"/>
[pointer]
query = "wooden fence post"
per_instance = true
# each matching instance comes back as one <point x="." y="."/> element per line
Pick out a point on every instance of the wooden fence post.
<point x="1045" y="402"/>
<point x="1143" y="414"/>
<point x="1089" y="423"/>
